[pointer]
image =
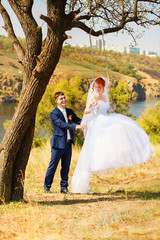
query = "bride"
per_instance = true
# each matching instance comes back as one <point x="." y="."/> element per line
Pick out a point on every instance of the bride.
<point x="112" y="140"/>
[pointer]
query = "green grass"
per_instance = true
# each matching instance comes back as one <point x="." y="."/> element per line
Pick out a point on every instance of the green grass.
<point x="123" y="205"/>
<point x="70" y="68"/>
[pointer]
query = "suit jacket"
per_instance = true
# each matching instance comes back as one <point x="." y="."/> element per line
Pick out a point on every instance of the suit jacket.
<point x="59" y="139"/>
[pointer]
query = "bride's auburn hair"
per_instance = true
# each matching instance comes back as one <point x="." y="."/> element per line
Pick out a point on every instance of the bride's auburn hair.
<point x="99" y="81"/>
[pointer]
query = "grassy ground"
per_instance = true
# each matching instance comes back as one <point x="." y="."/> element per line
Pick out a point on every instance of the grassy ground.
<point x="66" y="68"/>
<point x="123" y="205"/>
<point x="69" y="68"/>
<point x="5" y="63"/>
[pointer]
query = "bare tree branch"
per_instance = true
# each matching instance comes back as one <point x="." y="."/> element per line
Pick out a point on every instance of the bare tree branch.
<point x="135" y="8"/>
<point x="9" y="29"/>
<point x="85" y="17"/>
<point x="149" y="1"/>
<point x="23" y="12"/>
<point x="33" y="35"/>
<point x="84" y="27"/>
<point x="47" y="20"/>
<point x="116" y="15"/>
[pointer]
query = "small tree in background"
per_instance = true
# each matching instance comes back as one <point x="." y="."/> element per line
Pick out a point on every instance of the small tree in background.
<point x="76" y="99"/>
<point x="121" y="96"/>
<point x="150" y="122"/>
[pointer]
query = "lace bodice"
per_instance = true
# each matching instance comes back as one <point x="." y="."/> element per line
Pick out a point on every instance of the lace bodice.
<point x="103" y="107"/>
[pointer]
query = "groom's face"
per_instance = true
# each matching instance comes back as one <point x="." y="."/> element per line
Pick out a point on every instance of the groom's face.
<point x="61" y="101"/>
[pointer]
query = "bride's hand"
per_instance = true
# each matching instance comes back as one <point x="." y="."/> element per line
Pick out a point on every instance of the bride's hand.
<point x="83" y="126"/>
<point x="97" y="106"/>
<point x="112" y="108"/>
<point x="113" y="105"/>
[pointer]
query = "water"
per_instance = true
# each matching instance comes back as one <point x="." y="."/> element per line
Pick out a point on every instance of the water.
<point x="137" y="108"/>
<point x="7" y="111"/>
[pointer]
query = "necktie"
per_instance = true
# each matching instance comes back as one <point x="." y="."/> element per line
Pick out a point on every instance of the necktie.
<point x="68" y="132"/>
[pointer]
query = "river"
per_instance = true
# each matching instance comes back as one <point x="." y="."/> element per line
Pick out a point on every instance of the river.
<point x="137" y="108"/>
<point x="7" y="111"/>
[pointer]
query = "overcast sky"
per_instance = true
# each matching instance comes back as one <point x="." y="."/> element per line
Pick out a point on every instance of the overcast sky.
<point x="149" y="41"/>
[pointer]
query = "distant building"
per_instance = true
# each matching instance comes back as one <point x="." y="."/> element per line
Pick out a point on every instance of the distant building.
<point x="132" y="50"/>
<point x="115" y="48"/>
<point x="82" y="45"/>
<point x="98" y="44"/>
<point x="142" y="52"/>
<point x="151" y="54"/>
<point x="94" y="44"/>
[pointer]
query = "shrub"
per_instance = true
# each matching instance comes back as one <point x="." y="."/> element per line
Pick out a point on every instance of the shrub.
<point x="76" y="99"/>
<point x="121" y="96"/>
<point x="150" y="122"/>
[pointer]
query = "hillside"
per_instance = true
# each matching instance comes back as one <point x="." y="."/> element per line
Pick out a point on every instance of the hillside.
<point x="141" y="73"/>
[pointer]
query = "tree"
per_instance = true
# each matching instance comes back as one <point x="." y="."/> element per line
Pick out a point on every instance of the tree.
<point x="150" y="122"/>
<point x="39" y="61"/>
<point x="76" y="99"/>
<point x="121" y="96"/>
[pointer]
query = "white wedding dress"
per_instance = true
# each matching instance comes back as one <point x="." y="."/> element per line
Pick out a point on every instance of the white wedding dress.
<point x="112" y="141"/>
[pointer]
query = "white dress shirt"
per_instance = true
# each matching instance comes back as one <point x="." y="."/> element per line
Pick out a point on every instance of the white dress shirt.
<point x="63" y="110"/>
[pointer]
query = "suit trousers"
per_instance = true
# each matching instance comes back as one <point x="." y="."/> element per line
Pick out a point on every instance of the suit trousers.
<point x="65" y="156"/>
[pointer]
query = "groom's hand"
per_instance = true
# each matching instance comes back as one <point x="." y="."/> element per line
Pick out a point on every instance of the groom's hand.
<point x="80" y="126"/>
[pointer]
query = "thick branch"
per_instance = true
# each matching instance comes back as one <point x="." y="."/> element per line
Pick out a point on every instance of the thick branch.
<point x="150" y="1"/>
<point x="47" y="20"/>
<point x="23" y="12"/>
<point x="77" y="24"/>
<point x="33" y="34"/>
<point x="84" y="17"/>
<point x="135" y="8"/>
<point x="9" y="29"/>
<point x="72" y="15"/>
<point x="26" y="5"/>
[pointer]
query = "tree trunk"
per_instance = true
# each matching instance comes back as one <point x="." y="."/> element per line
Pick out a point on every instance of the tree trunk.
<point x="21" y="163"/>
<point x="17" y="141"/>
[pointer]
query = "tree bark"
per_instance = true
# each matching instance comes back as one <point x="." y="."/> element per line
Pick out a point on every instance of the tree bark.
<point x="20" y="163"/>
<point x="17" y="141"/>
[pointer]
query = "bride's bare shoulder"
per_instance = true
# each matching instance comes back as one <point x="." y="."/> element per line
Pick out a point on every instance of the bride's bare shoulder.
<point x="103" y="98"/>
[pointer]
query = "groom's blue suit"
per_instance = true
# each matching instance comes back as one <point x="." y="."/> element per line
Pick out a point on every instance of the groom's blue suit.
<point x="61" y="148"/>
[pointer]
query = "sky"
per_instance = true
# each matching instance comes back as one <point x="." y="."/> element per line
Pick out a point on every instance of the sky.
<point x="150" y="40"/>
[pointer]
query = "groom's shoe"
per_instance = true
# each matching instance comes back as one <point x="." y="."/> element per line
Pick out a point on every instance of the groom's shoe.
<point x="64" y="191"/>
<point x="47" y="190"/>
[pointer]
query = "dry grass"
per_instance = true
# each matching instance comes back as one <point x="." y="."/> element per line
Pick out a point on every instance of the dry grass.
<point x="5" y="67"/>
<point x="68" y="68"/>
<point x="123" y="205"/>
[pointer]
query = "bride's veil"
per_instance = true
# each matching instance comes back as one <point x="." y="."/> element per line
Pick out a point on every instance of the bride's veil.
<point x="87" y="118"/>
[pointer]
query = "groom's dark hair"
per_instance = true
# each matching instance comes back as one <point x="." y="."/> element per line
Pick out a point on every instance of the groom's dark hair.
<point x="57" y="94"/>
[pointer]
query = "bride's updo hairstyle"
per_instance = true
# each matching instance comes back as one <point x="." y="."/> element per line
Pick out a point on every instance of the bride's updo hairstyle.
<point x="99" y="81"/>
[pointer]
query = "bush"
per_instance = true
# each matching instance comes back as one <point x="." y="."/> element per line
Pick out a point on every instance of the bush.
<point x="150" y="122"/>
<point x="121" y="96"/>
<point x="76" y="99"/>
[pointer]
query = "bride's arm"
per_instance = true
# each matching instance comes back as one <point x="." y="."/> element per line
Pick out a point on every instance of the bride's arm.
<point x="112" y="108"/>
<point x="92" y="103"/>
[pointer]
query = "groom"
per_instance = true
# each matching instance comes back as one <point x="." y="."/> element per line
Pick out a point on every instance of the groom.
<point x="61" y="143"/>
